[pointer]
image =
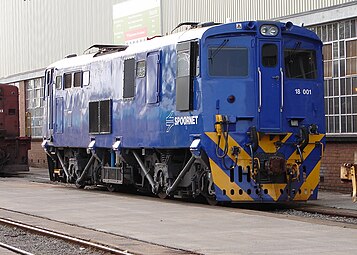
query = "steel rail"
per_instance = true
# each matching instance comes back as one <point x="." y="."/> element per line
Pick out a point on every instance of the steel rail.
<point x="14" y="249"/>
<point x="64" y="237"/>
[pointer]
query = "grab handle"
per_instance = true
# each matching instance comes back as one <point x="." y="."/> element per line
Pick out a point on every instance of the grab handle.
<point x="282" y="89"/>
<point x="260" y="88"/>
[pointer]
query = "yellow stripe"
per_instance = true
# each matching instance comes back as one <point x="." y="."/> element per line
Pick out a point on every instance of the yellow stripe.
<point x="286" y="137"/>
<point x="221" y="179"/>
<point x="313" y="178"/>
<point x="267" y="145"/>
<point x="310" y="184"/>
<point x="274" y="189"/>
<point x="223" y="182"/>
<point x="244" y="158"/>
<point x="308" y="149"/>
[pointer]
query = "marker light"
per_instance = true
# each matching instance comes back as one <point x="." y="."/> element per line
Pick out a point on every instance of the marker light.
<point x="269" y="30"/>
<point x="294" y="123"/>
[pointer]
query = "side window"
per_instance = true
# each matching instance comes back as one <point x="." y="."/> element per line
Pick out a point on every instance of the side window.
<point x="269" y="55"/>
<point x="187" y="59"/>
<point x="58" y="82"/>
<point x="153" y="78"/>
<point x="129" y="78"/>
<point x="67" y="80"/>
<point x="300" y="64"/>
<point x="86" y="78"/>
<point x="77" y="79"/>
<point x="141" y="69"/>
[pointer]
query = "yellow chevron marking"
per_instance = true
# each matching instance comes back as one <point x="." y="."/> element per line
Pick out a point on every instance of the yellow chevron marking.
<point x="308" y="149"/>
<point x="268" y="145"/>
<point x="310" y="184"/>
<point x="244" y="158"/>
<point x="313" y="178"/>
<point x="223" y="182"/>
<point x="274" y="189"/>
<point x="286" y="137"/>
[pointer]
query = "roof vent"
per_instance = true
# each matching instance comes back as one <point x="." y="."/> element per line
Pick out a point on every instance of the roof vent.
<point x="195" y="25"/>
<point x="102" y="49"/>
<point x="207" y="24"/>
<point x="71" y="56"/>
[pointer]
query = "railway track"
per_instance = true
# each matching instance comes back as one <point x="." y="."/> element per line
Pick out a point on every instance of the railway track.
<point x="87" y="241"/>
<point x="124" y="220"/>
<point x="14" y="249"/>
<point x="304" y="210"/>
<point x="64" y="237"/>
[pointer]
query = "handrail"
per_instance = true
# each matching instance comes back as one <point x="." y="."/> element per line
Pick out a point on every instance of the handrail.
<point x="282" y="89"/>
<point x="260" y="88"/>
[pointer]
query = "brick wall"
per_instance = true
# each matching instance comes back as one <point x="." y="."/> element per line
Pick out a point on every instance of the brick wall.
<point x="336" y="153"/>
<point x="37" y="156"/>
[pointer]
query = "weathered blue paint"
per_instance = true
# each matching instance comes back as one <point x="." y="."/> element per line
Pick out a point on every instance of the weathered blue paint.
<point x="150" y="119"/>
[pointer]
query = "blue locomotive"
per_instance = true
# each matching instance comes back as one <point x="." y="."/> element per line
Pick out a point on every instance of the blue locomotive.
<point x="231" y="112"/>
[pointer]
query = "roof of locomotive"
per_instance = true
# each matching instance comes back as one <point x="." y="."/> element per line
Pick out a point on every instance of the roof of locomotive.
<point x="173" y="39"/>
<point x="132" y="49"/>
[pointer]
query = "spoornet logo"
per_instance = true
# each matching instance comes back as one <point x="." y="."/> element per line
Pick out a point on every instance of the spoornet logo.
<point x="172" y="120"/>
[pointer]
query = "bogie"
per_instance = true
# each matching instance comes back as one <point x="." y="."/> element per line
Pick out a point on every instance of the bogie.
<point x="163" y="166"/>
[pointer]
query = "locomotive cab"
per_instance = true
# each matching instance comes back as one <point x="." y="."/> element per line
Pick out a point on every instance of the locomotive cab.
<point x="266" y="87"/>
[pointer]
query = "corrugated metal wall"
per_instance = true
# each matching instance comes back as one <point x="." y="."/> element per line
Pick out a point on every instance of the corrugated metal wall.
<point x="177" y="11"/>
<point x="35" y="33"/>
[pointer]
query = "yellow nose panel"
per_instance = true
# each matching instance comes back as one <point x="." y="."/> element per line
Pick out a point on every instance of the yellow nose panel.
<point x="221" y="179"/>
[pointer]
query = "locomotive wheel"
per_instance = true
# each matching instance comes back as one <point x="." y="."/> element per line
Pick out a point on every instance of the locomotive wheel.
<point x="162" y="195"/>
<point x="211" y="200"/>
<point x="79" y="185"/>
<point x="111" y="188"/>
<point x="160" y="180"/>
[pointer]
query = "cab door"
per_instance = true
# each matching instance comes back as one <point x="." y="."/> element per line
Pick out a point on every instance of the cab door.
<point x="270" y="86"/>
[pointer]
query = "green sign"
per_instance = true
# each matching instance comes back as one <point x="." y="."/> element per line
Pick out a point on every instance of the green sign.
<point x="136" y="20"/>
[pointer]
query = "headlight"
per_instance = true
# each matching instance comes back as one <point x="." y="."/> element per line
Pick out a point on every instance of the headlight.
<point x="269" y="30"/>
<point x="294" y="123"/>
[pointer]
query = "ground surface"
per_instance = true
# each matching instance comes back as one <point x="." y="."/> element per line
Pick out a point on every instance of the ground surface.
<point x="195" y="227"/>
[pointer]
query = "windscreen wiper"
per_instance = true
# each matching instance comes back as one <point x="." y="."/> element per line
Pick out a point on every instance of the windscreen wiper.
<point x="292" y="53"/>
<point x="225" y="41"/>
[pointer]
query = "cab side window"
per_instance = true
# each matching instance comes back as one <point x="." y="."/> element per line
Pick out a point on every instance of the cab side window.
<point x="187" y="61"/>
<point x="67" y="80"/>
<point x="129" y="78"/>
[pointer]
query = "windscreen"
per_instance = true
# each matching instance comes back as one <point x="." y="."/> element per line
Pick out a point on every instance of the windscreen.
<point x="228" y="61"/>
<point x="300" y="64"/>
